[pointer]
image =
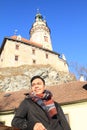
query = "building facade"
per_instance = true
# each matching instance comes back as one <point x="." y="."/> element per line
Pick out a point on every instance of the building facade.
<point x="16" y="51"/>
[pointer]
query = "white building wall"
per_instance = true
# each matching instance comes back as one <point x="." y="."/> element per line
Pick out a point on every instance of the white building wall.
<point x="77" y="115"/>
<point x="7" y="118"/>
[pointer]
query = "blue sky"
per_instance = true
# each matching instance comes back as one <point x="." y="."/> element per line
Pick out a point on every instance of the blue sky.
<point x="67" y="20"/>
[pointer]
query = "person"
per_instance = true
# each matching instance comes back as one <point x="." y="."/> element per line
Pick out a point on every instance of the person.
<point x="38" y="111"/>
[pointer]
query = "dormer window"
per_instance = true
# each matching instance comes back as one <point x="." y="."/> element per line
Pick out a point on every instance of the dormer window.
<point x="19" y="37"/>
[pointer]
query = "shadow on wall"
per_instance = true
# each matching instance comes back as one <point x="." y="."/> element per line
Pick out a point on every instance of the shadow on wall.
<point x="3" y="127"/>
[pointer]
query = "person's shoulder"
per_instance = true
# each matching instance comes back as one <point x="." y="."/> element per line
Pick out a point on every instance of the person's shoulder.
<point x="26" y="98"/>
<point x="57" y="104"/>
<point x="25" y="101"/>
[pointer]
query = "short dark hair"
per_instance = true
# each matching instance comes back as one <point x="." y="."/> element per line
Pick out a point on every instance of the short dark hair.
<point x="35" y="77"/>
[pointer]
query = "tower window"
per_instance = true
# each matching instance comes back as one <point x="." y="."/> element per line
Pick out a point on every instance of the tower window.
<point x="16" y="58"/>
<point x="17" y="46"/>
<point x="45" y="38"/>
<point x="67" y="117"/>
<point x="33" y="51"/>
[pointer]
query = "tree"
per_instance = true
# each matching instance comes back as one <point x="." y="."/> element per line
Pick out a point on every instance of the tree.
<point x="79" y="69"/>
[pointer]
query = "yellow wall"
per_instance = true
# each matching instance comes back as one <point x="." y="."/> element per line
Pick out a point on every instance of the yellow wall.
<point x="7" y="118"/>
<point x="77" y="115"/>
<point x="25" y="56"/>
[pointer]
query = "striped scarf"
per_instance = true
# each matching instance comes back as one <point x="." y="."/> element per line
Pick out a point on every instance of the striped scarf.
<point x="46" y="102"/>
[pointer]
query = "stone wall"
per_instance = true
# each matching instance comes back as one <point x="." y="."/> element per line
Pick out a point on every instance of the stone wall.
<point x="17" y="78"/>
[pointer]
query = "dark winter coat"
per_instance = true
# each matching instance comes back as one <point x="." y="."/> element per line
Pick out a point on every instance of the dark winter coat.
<point x="30" y="113"/>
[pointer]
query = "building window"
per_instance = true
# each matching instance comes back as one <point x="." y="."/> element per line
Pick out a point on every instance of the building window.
<point x="2" y="122"/>
<point x="34" y="61"/>
<point x="67" y="117"/>
<point x="17" y="47"/>
<point x="45" y="38"/>
<point x="16" y="58"/>
<point x="33" y="51"/>
<point x="46" y="56"/>
<point x="1" y="60"/>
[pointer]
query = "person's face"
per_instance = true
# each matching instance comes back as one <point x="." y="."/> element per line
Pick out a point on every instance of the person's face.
<point x="37" y="86"/>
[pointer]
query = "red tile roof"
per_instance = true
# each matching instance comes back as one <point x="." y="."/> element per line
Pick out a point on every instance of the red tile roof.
<point x="27" y="41"/>
<point x="65" y="93"/>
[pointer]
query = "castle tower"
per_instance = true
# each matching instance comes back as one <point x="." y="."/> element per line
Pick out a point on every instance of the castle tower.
<point x="40" y="32"/>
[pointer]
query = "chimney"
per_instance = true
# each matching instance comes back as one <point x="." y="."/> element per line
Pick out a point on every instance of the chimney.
<point x="81" y="78"/>
<point x="63" y="57"/>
